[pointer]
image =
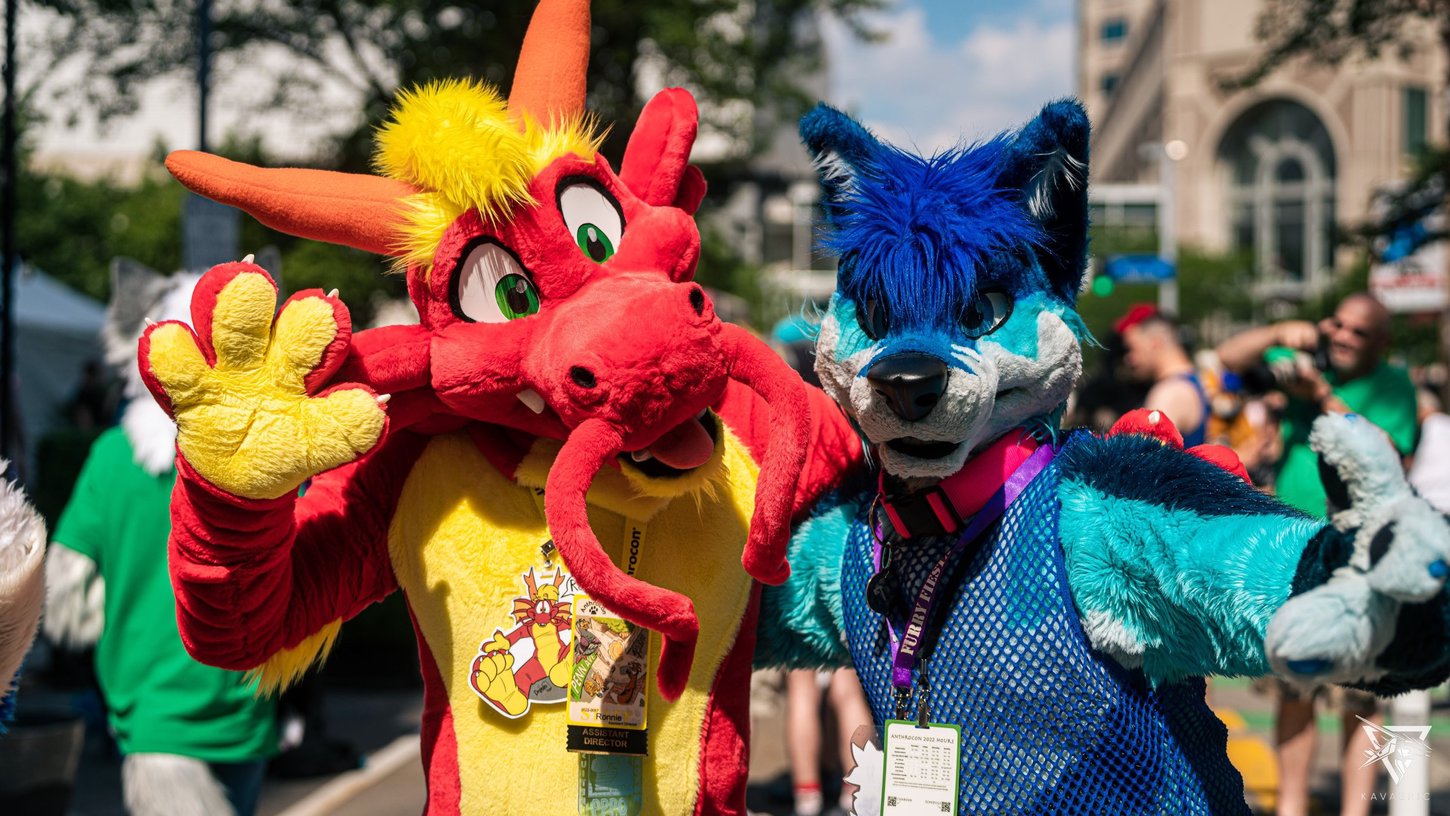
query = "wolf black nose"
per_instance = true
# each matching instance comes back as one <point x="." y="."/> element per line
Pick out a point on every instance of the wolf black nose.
<point x="910" y="383"/>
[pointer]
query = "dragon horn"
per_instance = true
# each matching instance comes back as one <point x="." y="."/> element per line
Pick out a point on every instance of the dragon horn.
<point x="352" y="209"/>
<point x="549" y="79"/>
<point x="531" y="584"/>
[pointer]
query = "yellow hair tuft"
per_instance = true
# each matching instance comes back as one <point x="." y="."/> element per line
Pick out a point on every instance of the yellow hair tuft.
<point x="426" y="216"/>
<point x="287" y="666"/>
<point x="458" y="142"/>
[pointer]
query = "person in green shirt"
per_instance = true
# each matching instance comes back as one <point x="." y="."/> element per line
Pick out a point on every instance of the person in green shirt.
<point x="1337" y="365"/>
<point x="195" y="739"/>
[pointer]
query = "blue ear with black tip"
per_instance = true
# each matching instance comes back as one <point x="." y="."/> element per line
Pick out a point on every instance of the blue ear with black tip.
<point x="841" y="149"/>
<point x="1048" y="162"/>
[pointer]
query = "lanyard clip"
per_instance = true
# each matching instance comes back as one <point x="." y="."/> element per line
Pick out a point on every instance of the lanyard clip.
<point x="923" y="699"/>
<point x="903" y="702"/>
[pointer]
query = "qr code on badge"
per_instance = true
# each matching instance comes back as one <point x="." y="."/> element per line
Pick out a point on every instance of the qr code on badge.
<point x="946" y="807"/>
<point x="891" y="801"/>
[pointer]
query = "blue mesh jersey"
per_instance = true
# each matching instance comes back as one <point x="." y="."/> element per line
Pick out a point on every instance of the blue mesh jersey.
<point x="1049" y="726"/>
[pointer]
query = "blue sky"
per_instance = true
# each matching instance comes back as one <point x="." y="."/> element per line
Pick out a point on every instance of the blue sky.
<point x="954" y="69"/>
<point x="953" y="20"/>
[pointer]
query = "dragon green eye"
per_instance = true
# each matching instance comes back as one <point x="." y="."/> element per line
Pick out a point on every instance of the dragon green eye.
<point x="516" y="296"/>
<point x="594" y="242"/>
<point x="592" y="216"/>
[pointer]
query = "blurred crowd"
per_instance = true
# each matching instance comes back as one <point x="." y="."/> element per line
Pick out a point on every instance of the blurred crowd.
<point x="1258" y="392"/>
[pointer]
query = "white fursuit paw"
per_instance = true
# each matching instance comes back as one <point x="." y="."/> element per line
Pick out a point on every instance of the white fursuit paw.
<point x="22" y="583"/>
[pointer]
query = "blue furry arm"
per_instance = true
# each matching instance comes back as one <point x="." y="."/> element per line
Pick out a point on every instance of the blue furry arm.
<point x="800" y="620"/>
<point x="1176" y="566"/>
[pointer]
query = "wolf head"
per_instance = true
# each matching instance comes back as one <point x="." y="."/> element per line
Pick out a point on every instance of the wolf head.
<point x="954" y="315"/>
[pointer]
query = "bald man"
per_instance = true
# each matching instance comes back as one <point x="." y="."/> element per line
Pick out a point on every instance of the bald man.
<point x="1356" y="379"/>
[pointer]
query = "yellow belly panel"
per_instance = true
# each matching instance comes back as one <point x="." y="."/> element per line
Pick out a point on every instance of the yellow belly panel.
<point x="461" y="540"/>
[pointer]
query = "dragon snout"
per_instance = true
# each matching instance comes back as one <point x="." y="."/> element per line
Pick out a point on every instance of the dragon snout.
<point x="648" y="320"/>
<point x="911" y="383"/>
<point x="638" y="351"/>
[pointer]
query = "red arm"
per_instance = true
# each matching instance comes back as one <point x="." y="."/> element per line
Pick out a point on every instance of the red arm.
<point x="253" y="578"/>
<point x="835" y="448"/>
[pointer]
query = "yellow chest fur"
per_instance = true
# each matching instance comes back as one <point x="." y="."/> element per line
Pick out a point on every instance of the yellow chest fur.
<point x="460" y="542"/>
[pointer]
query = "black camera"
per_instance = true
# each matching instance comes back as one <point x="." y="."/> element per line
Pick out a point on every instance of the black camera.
<point x="1321" y="353"/>
<point x="1263" y="378"/>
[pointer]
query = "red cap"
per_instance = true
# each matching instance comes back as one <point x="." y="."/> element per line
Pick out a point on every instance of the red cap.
<point x="1135" y="315"/>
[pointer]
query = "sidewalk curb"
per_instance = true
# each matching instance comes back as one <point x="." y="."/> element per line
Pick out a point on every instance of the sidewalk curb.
<point x="378" y="766"/>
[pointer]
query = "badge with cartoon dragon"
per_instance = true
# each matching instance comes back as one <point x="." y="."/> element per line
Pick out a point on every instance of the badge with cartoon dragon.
<point x="610" y="658"/>
<point x="530" y="662"/>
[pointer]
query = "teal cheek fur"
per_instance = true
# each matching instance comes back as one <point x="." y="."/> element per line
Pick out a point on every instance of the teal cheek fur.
<point x="1190" y="595"/>
<point x="852" y="340"/>
<point x="1019" y="335"/>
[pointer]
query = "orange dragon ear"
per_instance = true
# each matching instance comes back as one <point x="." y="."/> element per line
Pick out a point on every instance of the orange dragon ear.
<point x="549" y="79"/>
<point x="366" y="211"/>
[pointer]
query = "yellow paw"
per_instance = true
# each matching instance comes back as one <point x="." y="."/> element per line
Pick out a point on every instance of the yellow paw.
<point x="494" y="678"/>
<point x="243" y="387"/>
<point x="561" y="674"/>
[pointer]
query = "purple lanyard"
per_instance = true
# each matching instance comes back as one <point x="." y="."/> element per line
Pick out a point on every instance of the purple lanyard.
<point x="905" y="646"/>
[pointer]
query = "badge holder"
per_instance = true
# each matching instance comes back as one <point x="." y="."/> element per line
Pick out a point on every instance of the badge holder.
<point x="922" y="760"/>
<point x="607" y="709"/>
<point x="607" y="702"/>
<point x="922" y="763"/>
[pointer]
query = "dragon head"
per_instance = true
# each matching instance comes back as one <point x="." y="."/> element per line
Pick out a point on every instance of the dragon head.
<point x="954" y="317"/>
<point x="555" y="296"/>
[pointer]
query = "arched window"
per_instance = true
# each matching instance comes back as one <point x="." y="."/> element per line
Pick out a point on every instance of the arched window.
<point x="1280" y="169"/>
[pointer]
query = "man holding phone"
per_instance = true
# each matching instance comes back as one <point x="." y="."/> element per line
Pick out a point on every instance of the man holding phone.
<point x="1337" y="365"/>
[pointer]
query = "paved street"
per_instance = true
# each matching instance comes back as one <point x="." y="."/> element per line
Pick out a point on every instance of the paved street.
<point x="383" y="725"/>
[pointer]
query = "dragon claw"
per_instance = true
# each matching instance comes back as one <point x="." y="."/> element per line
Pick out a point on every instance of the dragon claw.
<point x="245" y="386"/>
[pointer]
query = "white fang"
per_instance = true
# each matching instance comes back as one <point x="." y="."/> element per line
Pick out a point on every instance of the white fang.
<point x="531" y="398"/>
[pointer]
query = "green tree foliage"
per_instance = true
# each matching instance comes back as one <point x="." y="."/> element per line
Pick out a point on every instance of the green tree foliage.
<point x="71" y="229"/>
<point x="1331" y="31"/>
<point x="725" y="51"/>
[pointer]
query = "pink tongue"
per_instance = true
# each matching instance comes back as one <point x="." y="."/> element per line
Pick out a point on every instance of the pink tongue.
<point x="685" y="447"/>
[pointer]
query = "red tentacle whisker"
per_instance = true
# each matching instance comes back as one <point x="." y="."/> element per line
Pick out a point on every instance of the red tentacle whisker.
<point x="590" y="447"/>
<point x="753" y="364"/>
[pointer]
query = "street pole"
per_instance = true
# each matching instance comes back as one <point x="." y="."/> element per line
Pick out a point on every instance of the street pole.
<point x="8" y="429"/>
<point x="1412" y="794"/>
<point x="203" y="68"/>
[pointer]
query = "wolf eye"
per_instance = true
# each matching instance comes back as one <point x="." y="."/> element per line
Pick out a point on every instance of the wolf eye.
<point x="874" y="319"/>
<point x="986" y="313"/>
<point x="593" y="217"/>
<point x="490" y="286"/>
